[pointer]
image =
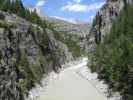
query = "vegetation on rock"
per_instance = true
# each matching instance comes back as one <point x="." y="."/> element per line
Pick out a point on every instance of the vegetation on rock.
<point x="16" y="7"/>
<point x="70" y="40"/>
<point x="113" y="59"/>
<point x="26" y="46"/>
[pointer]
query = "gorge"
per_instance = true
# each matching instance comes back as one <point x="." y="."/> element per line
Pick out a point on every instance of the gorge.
<point x="46" y="58"/>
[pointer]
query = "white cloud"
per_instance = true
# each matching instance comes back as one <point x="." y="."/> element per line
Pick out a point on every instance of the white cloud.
<point x="77" y="1"/>
<point x="38" y="6"/>
<point x="95" y="6"/>
<point x="77" y="7"/>
<point x="40" y="3"/>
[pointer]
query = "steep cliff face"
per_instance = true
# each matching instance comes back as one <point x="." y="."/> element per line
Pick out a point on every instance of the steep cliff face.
<point x="26" y="53"/>
<point x="74" y="33"/>
<point x="112" y="57"/>
<point x="103" y="21"/>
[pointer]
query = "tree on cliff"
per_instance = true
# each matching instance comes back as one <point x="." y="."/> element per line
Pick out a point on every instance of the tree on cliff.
<point x="17" y="7"/>
<point x="113" y="59"/>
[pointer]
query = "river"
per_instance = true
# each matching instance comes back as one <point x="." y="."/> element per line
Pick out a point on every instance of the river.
<point x="75" y="82"/>
<point x="71" y="86"/>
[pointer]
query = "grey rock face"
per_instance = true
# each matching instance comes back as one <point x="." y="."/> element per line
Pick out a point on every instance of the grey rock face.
<point x="9" y="89"/>
<point x="77" y="32"/>
<point x="25" y="57"/>
<point x="59" y="50"/>
<point x="106" y="15"/>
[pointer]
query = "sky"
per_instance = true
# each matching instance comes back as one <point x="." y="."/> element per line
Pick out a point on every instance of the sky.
<point x="83" y="10"/>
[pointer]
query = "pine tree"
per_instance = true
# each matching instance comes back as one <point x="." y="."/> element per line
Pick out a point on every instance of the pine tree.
<point x="113" y="59"/>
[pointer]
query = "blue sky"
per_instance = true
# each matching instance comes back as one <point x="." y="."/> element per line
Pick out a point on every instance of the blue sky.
<point x="83" y="10"/>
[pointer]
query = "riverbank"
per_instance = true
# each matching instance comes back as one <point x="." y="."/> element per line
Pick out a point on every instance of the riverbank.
<point x="74" y="82"/>
<point x="71" y="86"/>
<point x="39" y="88"/>
<point x="99" y="85"/>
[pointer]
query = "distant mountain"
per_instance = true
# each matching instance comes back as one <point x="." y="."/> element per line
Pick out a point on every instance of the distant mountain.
<point x="77" y="31"/>
<point x="78" y="27"/>
<point x="73" y="21"/>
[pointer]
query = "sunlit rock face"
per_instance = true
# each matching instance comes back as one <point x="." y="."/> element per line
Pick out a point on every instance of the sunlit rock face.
<point x="104" y="19"/>
<point x="25" y="55"/>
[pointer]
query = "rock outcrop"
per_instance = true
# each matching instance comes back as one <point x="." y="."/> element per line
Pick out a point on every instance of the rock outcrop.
<point x="103" y="21"/>
<point x="77" y="32"/>
<point x="27" y="51"/>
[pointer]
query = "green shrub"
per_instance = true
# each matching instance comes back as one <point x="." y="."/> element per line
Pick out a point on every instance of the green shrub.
<point x="69" y="39"/>
<point x="29" y="78"/>
<point x="2" y="17"/>
<point x="113" y="59"/>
